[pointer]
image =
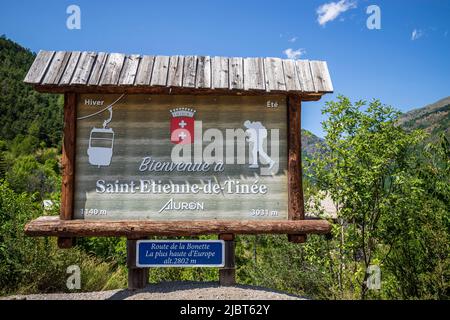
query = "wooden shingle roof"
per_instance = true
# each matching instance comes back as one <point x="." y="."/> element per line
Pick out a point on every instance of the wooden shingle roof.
<point x="61" y="71"/>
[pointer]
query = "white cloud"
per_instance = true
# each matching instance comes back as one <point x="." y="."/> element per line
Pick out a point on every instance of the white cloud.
<point x="294" y="54"/>
<point x="293" y="39"/>
<point x="331" y="10"/>
<point x="416" y="34"/>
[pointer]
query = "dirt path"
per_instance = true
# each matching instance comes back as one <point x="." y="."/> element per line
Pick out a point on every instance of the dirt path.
<point x="171" y="291"/>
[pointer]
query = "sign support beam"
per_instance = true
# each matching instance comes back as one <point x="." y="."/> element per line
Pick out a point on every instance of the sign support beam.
<point x="137" y="277"/>
<point x="227" y="274"/>
<point x="295" y="174"/>
<point x="68" y="164"/>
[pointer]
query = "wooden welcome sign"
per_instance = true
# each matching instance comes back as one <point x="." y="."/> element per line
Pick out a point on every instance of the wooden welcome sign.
<point x="179" y="146"/>
<point x="180" y="157"/>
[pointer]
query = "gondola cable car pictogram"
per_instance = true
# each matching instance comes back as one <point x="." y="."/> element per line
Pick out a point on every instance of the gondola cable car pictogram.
<point x="101" y="140"/>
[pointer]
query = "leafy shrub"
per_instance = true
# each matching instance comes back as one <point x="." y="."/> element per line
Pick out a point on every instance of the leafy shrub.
<point x="29" y="265"/>
<point x="28" y="175"/>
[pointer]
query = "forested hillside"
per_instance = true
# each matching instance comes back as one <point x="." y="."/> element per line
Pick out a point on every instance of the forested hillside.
<point x="26" y="117"/>
<point x="30" y="126"/>
<point x="433" y="119"/>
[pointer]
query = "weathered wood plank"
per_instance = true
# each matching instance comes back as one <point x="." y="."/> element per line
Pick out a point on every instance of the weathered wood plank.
<point x="219" y="66"/>
<point x="70" y="68"/>
<point x="189" y="71"/>
<point x="236" y="73"/>
<point x="227" y="274"/>
<point x="175" y="74"/>
<point x="313" y="77"/>
<point x="39" y="67"/>
<point x="321" y="76"/>
<point x="296" y="209"/>
<point x="145" y="70"/>
<point x="84" y="68"/>
<point x="273" y="68"/>
<point x="137" y="277"/>
<point x="97" y="70"/>
<point x="160" y="71"/>
<point x="203" y="77"/>
<point x="290" y="75"/>
<point x="68" y="156"/>
<point x="226" y="236"/>
<point x="56" y="68"/>
<point x="309" y="96"/>
<point x="327" y="77"/>
<point x="297" y="238"/>
<point x="254" y="78"/>
<point x="305" y="76"/>
<point x="129" y="71"/>
<point x="66" y="243"/>
<point x="53" y="226"/>
<point x="112" y="70"/>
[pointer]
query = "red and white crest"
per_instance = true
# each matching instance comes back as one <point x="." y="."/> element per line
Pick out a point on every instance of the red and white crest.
<point x="182" y="126"/>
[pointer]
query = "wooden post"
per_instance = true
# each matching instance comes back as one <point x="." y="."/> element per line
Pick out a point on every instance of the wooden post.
<point x="296" y="210"/>
<point x="68" y="163"/>
<point x="137" y="277"/>
<point x="66" y="242"/>
<point x="227" y="274"/>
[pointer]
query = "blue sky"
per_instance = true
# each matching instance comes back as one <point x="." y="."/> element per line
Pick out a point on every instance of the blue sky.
<point x="405" y="64"/>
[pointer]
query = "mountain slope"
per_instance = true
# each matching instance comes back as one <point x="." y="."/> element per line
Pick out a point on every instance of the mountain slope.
<point x="433" y="118"/>
<point x="309" y="143"/>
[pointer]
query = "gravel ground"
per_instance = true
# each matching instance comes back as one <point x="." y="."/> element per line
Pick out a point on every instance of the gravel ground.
<point x="170" y="291"/>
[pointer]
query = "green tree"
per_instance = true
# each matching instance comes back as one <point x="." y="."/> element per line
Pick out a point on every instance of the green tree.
<point x="417" y="228"/>
<point x="363" y="154"/>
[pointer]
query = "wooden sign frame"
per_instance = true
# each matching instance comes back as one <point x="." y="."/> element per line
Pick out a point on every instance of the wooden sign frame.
<point x="66" y="228"/>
